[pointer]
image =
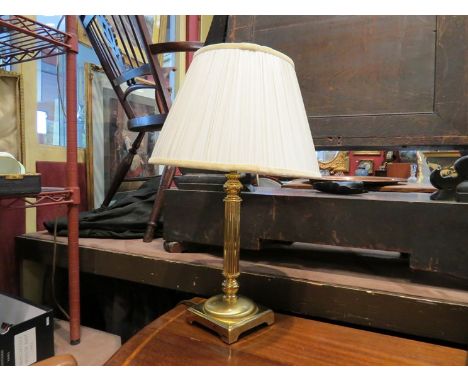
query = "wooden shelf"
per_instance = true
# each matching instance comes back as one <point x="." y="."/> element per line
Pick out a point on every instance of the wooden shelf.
<point x="316" y="281"/>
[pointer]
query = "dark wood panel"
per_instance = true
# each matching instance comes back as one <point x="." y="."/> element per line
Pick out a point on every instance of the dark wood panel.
<point x="218" y="29"/>
<point x="374" y="81"/>
<point x="275" y="22"/>
<point x="170" y="340"/>
<point x="360" y="65"/>
<point x="240" y="22"/>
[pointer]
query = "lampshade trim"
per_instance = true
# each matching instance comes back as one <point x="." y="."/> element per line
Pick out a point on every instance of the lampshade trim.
<point x="241" y="167"/>
<point x="245" y="46"/>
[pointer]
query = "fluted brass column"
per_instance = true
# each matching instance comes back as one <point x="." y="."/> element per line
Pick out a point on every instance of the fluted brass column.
<point x="230" y="314"/>
<point x="232" y="203"/>
<point x="230" y="305"/>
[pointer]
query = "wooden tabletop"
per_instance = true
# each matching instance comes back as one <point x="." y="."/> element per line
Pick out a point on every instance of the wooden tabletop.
<point x="171" y="341"/>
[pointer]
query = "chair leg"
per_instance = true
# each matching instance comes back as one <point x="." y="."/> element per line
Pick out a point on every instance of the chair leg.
<point x="122" y="170"/>
<point x="166" y="180"/>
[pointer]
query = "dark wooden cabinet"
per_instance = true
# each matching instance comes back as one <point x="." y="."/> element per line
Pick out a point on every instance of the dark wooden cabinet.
<point x="373" y="81"/>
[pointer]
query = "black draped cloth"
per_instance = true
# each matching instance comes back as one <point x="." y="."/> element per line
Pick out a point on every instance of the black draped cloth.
<point x="126" y="218"/>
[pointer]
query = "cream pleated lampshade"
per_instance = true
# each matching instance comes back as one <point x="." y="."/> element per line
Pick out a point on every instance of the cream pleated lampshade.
<point x="239" y="109"/>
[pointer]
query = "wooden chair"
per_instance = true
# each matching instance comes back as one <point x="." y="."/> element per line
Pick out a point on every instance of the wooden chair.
<point x="124" y="49"/>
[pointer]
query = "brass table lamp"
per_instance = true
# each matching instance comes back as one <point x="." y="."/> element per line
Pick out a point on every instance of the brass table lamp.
<point x="240" y="110"/>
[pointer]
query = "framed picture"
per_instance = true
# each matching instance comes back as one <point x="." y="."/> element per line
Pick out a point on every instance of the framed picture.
<point x="437" y="160"/>
<point x="12" y="114"/>
<point x="108" y="139"/>
<point x="368" y="165"/>
<point x="82" y="36"/>
<point x="333" y="162"/>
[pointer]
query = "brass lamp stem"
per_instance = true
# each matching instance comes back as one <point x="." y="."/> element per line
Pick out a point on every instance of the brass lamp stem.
<point x="232" y="203"/>
<point x="230" y="314"/>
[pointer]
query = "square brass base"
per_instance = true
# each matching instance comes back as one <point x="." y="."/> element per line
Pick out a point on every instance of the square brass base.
<point x="230" y="330"/>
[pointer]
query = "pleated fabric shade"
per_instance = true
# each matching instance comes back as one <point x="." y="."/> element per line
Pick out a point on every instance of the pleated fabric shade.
<point x="240" y="109"/>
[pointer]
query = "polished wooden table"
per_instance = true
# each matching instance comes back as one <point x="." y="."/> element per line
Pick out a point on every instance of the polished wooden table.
<point x="171" y="341"/>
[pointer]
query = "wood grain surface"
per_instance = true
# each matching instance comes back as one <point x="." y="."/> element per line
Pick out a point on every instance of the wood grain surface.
<point x="170" y="341"/>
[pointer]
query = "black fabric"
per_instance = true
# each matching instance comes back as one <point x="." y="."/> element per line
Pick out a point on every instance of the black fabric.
<point x="127" y="218"/>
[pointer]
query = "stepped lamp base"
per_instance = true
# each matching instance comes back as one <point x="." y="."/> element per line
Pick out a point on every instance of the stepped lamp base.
<point x="227" y="319"/>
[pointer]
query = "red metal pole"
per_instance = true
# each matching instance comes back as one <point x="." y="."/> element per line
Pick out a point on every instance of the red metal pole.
<point x="72" y="181"/>
<point x="192" y="33"/>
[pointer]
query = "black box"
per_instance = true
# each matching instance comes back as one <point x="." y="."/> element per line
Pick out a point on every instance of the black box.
<point x="20" y="184"/>
<point x="30" y="338"/>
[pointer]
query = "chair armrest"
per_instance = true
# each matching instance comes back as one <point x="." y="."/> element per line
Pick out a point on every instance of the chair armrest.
<point x="178" y="46"/>
<point x="145" y="123"/>
<point x="132" y="88"/>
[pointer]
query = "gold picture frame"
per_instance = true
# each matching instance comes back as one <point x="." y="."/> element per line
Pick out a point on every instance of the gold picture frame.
<point x="338" y="165"/>
<point x="82" y="36"/>
<point x="12" y="137"/>
<point x="441" y="159"/>
<point x="107" y="136"/>
<point x="90" y="70"/>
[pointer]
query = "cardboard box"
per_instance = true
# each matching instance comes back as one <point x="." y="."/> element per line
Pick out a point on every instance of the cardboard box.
<point x="30" y="338"/>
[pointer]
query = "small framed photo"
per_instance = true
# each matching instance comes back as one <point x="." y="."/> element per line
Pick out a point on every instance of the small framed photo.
<point x="368" y="165"/>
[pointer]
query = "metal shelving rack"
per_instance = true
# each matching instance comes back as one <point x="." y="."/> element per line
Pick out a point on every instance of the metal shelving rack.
<point x="23" y="39"/>
<point x="47" y="197"/>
